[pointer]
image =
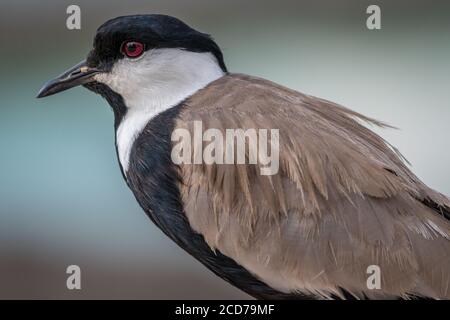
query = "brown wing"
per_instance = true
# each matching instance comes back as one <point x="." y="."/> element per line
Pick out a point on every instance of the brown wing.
<point x="343" y="199"/>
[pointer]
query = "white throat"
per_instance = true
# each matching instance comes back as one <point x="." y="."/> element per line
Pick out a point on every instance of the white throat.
<point x="155" y="82"/>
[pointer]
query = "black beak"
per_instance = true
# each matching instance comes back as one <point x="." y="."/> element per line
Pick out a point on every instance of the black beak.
<point x="75" y="76"/>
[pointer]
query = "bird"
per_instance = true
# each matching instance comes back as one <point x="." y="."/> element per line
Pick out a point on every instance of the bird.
<point x="343" y="201"/>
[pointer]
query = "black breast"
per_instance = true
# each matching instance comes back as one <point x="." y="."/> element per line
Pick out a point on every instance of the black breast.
<point x="154" y="179"/>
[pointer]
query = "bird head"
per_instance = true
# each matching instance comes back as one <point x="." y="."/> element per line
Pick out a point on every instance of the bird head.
<point x="136" y="55"/>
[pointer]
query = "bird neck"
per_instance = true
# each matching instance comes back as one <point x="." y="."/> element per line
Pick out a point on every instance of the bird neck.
<point x="166" y="77"/>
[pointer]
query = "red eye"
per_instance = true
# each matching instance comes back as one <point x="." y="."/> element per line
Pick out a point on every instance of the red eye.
<point x="132" y="49"/>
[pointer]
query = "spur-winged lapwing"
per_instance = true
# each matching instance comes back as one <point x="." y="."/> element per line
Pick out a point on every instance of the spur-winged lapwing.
<point x="341" y="204"/>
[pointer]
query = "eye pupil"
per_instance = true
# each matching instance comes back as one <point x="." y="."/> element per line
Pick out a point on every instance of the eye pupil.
<point x="132" y="49"/>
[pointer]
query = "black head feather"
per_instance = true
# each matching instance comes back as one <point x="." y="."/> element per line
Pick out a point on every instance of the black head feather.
<point x="155" y="31"/>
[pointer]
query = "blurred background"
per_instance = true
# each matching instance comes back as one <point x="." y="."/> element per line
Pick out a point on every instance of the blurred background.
<point x="62" y="197"/>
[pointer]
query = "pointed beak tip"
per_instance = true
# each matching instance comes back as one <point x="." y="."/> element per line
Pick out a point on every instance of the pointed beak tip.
<point x="46" y="90"/>
<point x="41" y="94"/>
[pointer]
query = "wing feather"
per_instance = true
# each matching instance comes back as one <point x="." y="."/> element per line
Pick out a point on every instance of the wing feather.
<point x="343" y="198"/>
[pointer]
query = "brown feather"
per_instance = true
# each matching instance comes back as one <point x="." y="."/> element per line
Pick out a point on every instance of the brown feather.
<point x="342" y="200"/>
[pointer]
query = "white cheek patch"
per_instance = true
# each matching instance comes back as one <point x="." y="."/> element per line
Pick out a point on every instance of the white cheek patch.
<point x="156" y="81"/>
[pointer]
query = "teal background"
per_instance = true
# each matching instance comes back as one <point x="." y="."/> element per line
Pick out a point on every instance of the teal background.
<point x="62" y="197"/>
